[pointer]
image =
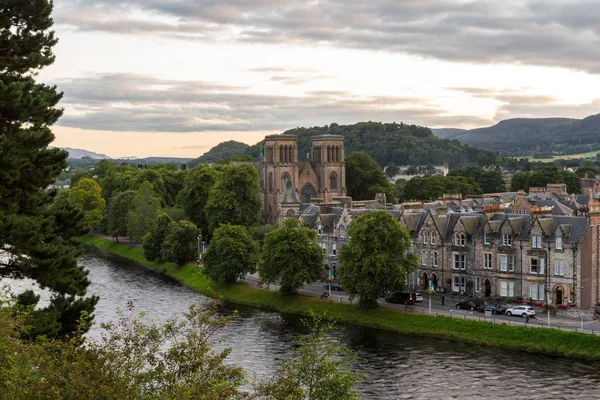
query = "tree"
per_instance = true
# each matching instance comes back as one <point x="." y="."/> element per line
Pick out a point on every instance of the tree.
<point x="27" y="166"/>
<point x="376" y="259"/>
<point x="154" y="240"/>
<point x="364" y="177"/>
<point x="194" y="195"/>
<point x="235" y="198"/>
<point x="231" y="254"/>
<point x="291" y="256"/>
<point x="118" y="213"/>
<point x="142" y="217"/>
<point x="491" y="182"/>
<point x="87" y="195"/>
<point x="320" y="369"/>
<point x="392" y="170"/>
<point x="180" y="244"/>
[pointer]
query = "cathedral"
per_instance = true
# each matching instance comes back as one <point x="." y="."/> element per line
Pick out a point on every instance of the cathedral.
<point x="290" y="183"/>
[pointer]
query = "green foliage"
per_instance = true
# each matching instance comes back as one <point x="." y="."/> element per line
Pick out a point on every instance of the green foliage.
<point x="41" y="244"/>
<point x="145" y="210"/>
<point x="118" y="212"/>
<point x="86" y="195"/>
<point x="221" y="151"/>
<point x="235" y="198"/>
<point x="544" y="176"/>
<point x="258" y="233"/>
<point x="68" y="219"/>
<point x="320" y="369"/>
<point x="181" y="242"/>
<point x="153" y="241"/>
<point x="231" y="254"/>
<point x="364" y="177"/>
<point x="392" y="170"/>
<point x="536" y="136"/>
<point x="488" y="181"/>
<point x="376" y="259"/>
<point x="194" y="195"/>
<point x="429" y="188"/>
<point x="291" y="256"/>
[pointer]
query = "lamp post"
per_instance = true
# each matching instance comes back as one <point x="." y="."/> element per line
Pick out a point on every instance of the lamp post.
<point x="199" y="250"/>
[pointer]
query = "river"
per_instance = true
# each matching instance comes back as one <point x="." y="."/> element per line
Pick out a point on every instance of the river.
<point x="398" y="367"/>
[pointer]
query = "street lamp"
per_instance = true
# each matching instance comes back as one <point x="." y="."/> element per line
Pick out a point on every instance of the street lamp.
<point x="199" y="250"/>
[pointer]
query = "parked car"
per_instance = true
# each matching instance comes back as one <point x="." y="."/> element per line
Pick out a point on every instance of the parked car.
<point x="469" y="305"/>
<point x="400" y="298"/>
<point x="334" y="286"/>
<point x="521" y="311"/>
<point x="417" y="297"/>
<point x="494" y="308"/>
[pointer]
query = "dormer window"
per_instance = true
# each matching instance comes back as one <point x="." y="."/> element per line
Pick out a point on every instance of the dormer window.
<point x="459" y="239"/>
<point x="432" y="238"/>
<point x="487" y="238"/>
<point x="506" y="239"/>
<point x="559" y="245"/>
<point x="425" y="237"/>
<point x="342" y="232"/>
<point x="319" y="230"/>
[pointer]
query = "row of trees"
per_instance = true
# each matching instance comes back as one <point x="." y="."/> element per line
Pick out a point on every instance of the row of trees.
<point x="540" y="178"/>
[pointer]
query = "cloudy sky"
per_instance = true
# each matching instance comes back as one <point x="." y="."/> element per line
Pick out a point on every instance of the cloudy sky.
<point x="176" y="77"/>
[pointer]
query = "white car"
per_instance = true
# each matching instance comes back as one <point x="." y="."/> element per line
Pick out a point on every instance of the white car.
<point x="521" y="311"/>
<point x="418" y="297"/>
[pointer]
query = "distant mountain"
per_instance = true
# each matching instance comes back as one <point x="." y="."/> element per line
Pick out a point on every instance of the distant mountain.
<point x="532" y="136"/>
<point x="400" y="144"/>
<point x="80" y="153"/>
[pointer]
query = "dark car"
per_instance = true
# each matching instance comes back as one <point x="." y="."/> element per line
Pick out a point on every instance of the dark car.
<point x="400" y="298"/>
<point x="494" y="308"/>
<point x="469" y="305"/>
<point x="334" y="286"/>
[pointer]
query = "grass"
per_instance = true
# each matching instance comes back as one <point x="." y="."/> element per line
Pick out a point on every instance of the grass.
<point x="566" y="157"/>
<point x="532" y="340"/>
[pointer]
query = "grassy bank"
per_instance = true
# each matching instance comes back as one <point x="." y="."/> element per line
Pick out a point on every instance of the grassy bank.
<point x="533" y="340"/>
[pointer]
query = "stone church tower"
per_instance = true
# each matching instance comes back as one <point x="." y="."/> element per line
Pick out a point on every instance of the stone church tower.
<point x="289" y="183"/>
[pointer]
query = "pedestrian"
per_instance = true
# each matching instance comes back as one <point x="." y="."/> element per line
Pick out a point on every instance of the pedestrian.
<point x="526" y="318"/>
<point x="443" y="297"/>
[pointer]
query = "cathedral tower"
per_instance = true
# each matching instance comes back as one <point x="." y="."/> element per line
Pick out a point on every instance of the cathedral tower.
<point x="329" y="165"/>
<point x="280" y="168"/>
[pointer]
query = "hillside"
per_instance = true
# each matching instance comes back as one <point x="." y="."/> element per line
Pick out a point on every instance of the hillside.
<point x="398" y="143"/>
<point x="533" y="136"/>
<point x="223" y="150"/>
<point x="80" y="153"/>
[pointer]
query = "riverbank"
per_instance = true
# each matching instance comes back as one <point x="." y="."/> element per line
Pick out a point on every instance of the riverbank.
<point x="533" y="340"/>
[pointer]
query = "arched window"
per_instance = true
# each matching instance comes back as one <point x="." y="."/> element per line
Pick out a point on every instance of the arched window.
<point x="337" y="153"/>
<point x="459" y="239"/>
<point x="333" y="181"/>
<point x="280" y="153"/>
<point x="270" y="181"/>
<point x="425" y="237"/>
<point x="432" y="237"/>
<point x="291" y="154"/>
<point x="342" y="232"/>
<point x="328" y="154"/>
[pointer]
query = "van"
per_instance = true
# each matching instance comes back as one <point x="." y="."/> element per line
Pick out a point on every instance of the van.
<point x="400" y="298"/>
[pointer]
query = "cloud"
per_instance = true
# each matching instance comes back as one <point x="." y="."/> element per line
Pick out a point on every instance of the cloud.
<point x="131" y="102"/>
<point x="560" y="33"/>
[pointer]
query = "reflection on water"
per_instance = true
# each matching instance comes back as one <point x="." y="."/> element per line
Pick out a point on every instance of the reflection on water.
<point x="398" y="367"/>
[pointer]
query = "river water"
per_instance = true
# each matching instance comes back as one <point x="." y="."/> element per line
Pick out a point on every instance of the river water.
<point x="398" y="367"/>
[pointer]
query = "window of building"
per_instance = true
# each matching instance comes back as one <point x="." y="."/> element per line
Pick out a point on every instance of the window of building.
<point x="506" y="239"/>
<point x="522" y="212"/>
<point x="487" y="260"/>
<point x="435" y="258"/>
<point x="333" y="249"/>
<point x="425" y="237"/>
<point x="342" y="232"/>
<point x="487" y="238"/>
<point x="324" y="247"/>
<point x="459" y="284"/>
<point x="459" y="261"/>
<point x="536" y="241"/>
<point x="333" y="181"/>
<point x="477" y="285"/>
<point x="507" y="263"/>
<point x="536" y="291"/>
<point x="319" y="229"/>
<point x="507" y="289"/>
<point x="270" y="181"/>
<point x="559" y="267"/>
<point x="459" y="239"/>
<point x="432" y="237"/>
<point x="558" y="243"/>
<point x="536" y="265"/>
<point x="423" y="257"/>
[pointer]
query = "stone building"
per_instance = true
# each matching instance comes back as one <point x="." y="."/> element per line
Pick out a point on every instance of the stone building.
<point x="291" y="183"/>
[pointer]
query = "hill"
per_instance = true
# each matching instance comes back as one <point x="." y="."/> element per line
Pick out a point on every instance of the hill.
<point x="537" y="137"/>
<point x="398" y="143"/>
<point x="223" y="150"/>
<point x="80" y="153"/>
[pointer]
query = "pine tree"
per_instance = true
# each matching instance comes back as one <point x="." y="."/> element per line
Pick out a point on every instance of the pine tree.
<point x="40" y="247"/>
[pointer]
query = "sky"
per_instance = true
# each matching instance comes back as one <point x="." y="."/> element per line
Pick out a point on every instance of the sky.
<point x="176" y="77"/>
